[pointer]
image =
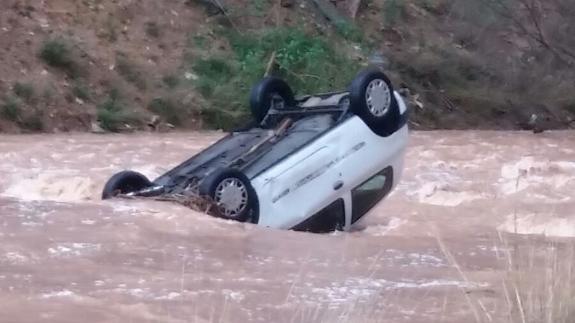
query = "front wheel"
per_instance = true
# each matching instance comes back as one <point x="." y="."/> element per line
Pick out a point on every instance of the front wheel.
<point x="125" y="182"/>
<point x="232" y="194"/>
<point x="372" y="99"/>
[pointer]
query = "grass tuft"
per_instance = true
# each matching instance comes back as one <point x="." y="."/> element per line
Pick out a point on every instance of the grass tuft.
<point x="308" y="62"/>
<point x="10" y="109"/>
<point x="57" y="53"/>
<point x="25" y="91"/>
<point x="166" y="109"/>
<point x="112" y="114"/>
<point x="81" y="92"/>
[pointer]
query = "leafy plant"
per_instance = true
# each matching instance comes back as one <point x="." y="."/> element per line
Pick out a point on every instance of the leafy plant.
<point x="309" y="63"/>
<point x="81" y="92"/>
<point x="32" y="123"/>
<point x="24" y="91"/>
<point x="393" y="12"/>
<point x="58" y="54"/>
<point x="112" y="114"/>
<point x="167" y="109"/>
<point x="11" y="109"/>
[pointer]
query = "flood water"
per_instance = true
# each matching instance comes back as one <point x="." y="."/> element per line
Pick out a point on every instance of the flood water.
<point x="66" y="256"/>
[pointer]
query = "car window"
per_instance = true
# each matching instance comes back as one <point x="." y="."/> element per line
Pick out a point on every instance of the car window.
<point x="365" y="196"/>
<point x="329" y="219"/>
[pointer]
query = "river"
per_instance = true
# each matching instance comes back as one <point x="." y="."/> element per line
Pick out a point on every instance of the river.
<point x="436" y="250"/>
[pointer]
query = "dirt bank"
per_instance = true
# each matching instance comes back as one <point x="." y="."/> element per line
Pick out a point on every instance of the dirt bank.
<point x="120" y="65"/>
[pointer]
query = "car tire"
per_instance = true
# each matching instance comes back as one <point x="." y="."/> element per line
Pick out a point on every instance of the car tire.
<point x="372" y="99"/>
<point x="266" y="90"/>
<point x="123" y="183"/>
<point x="233" y="195"/>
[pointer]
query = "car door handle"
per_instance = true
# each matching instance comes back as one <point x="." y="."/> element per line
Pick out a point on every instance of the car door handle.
<point x="337" y="185"/>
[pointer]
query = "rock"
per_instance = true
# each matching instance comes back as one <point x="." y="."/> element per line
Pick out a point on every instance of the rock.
<point x="154" y="122"/>
<point x="190" y="76"/>
<point x="95" y="128"/>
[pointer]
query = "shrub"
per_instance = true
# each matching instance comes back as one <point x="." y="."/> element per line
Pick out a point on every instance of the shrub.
<point x="112" y="114"/>
<point x="81" y="92"/>
<point x="393" y="12"/>
<point x="11" y="109"/>
<point x="32" y="123"/>
<point x="58" y="54"/>
<point x="167" y="109"/>
<point x="24" y="91"/>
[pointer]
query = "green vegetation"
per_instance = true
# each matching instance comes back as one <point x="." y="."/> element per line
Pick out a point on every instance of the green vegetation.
<point x="166" y="109"/>
<point x="198" y="41"/>
<point x="130" y="71"/>
<point x="32" y="123"/>
<point x="349" y="32"/>
<point x="393" y="12"/>
<point x="258" y="7"/>
<point x="58" y="54"/>
<point x="81" y="92"/>
<point x="309" y="63"/>
<point x="112" y="114"/>
<point x="10" y="109"/>
<point x="25" y="91"/>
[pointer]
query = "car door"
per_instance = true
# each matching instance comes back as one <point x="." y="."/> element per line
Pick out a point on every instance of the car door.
<point x="302" y="185"/>
<point x="329" y="219"/>
<point x="367" y="194"/>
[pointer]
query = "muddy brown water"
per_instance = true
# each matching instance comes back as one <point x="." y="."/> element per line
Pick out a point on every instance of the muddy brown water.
<point x="65" y="256"/>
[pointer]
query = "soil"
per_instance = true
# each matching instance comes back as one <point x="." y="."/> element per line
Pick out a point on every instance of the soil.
<point x="154" y="39"/>
<point x="98" y="32"/>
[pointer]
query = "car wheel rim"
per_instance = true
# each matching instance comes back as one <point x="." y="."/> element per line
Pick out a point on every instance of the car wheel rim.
<point x="277" y="102"/>
<point x="378" y="97"/>
<point x="231" y="197"/>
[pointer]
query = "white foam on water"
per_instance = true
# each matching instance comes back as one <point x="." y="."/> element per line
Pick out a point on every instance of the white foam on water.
<point x="528" y="172"/>
<point x="15" y="258"/>
<point x="542" y="224"/>
<point x="61" y="293"/>
<point x="54" y="186"/>
<point x="383" y="230"/>
<point x="75" y="249"/>
<point x="443" y="194"/>
<point x="353" y="289"/>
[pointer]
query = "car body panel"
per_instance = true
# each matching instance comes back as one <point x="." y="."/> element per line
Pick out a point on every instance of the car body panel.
<point x="303" y="184"/>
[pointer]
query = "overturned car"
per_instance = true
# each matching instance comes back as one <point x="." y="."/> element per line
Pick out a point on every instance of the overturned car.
<point x="314" y="163"/>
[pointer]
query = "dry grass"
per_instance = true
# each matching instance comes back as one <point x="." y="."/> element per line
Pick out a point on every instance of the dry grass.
<point x="540" y="282"/>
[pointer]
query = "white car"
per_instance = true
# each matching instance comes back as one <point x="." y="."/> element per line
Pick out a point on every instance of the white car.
<point x="316" y="163"/>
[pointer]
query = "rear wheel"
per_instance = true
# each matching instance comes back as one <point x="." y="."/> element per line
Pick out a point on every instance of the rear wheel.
<point x="270" y="92"/>
<point x="232" y="194"/>
<point x="372" y="99"/>
<point x="125" y="182"/>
